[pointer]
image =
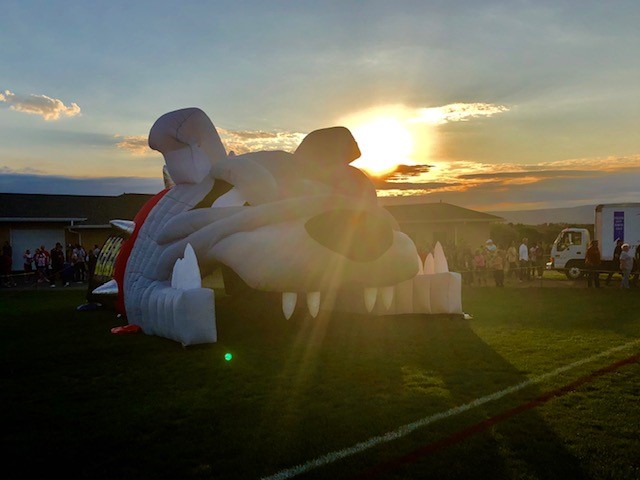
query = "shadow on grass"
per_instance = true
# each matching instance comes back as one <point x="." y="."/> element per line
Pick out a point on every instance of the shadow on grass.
<point x="344" y="379"/>
<point x="87" y="404"/>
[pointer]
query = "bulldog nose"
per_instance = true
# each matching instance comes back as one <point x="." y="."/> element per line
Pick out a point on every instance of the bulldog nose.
<point x="360" y="236"/>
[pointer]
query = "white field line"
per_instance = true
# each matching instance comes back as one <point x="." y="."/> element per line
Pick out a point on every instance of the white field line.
<point x="410" y="427"/>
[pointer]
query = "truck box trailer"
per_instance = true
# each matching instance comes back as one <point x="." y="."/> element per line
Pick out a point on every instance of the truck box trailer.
<point x="612" y="221"/>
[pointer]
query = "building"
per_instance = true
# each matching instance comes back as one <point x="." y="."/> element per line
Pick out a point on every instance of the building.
<point x="428" y="223"/>
<point x="31" y="220"/>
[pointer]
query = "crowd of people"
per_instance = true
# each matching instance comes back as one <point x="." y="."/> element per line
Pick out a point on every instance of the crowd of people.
<point x="493" y="263"/>
<point x="58" y="266"/>
<point x="486" y="264"/>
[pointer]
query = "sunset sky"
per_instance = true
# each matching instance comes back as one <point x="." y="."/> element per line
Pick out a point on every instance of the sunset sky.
<point x="487" y="105"/>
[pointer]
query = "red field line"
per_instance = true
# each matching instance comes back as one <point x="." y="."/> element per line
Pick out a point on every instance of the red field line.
<point x="484" y="425"/>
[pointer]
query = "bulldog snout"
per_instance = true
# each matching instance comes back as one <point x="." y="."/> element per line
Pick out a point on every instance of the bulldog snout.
<point x="360" y="236"/>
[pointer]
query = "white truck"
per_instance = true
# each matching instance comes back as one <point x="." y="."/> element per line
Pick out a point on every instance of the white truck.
<point x="612" y="221"/>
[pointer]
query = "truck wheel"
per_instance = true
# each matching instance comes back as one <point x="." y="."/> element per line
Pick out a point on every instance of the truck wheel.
<point x="573" y="272"/>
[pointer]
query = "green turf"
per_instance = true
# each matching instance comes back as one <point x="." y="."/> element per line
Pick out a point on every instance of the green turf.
<point x="81" y="402"/>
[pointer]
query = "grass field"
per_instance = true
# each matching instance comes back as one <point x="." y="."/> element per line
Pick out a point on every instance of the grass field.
<point x="80" y="402"/>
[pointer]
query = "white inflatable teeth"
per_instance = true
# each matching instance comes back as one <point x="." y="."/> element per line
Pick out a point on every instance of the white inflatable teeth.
<point x="109" y="288"/>
<point x="440" y="261"/>
<point x="420" y="266"/>
<point x="289" y="300"/>
<point x="186" y="273"/>
<point x="387" y="296"/>
<point x="370" y="295"/>
<point x="125" y="226"/>
<point x="313" y="303"/>
<point x="429" y="265"/>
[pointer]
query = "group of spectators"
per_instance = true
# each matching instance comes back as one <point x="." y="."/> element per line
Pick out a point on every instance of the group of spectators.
<point x="623" y="262"/>
<point x="72" y="264"/>
<point x="522" y="263"/>
<point x="525" y="261"/>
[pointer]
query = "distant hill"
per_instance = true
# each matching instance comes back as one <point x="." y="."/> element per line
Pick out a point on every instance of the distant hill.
<point x="571" y="215"/>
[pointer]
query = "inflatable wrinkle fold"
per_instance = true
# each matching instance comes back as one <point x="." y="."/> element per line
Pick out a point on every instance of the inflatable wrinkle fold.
<point x="306" y="225"/>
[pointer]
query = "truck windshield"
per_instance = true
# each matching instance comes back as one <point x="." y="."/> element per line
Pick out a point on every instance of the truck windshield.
<point x="566" y="239"/>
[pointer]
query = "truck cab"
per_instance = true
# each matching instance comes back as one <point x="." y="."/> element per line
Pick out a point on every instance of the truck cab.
<point x="568" y="252"/>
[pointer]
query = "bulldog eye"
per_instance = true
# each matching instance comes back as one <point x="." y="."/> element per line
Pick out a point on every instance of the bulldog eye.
<point x="219" y="190"/>
<point x="359" y="236"/>
<point x="233" y="198"/>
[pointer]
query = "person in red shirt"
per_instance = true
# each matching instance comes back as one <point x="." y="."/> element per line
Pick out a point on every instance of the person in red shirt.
<point x="42" y="259"/>
<point x="592" y="262"/>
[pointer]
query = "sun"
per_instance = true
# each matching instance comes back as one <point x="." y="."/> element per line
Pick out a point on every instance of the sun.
<point x="385" y="143"/>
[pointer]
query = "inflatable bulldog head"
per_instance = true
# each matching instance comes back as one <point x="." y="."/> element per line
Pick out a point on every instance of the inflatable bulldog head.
<point x="304" y="224"/>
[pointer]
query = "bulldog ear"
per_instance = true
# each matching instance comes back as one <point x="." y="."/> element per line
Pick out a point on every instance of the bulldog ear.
<point x="189" y="142"/>
<point x="329" y="146"/>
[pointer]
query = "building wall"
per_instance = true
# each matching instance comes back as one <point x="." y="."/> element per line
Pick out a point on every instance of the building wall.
<point x="476" y="234"/>
<point x="86" y="237"/>
<point x="4" y="233"/>
<point x="425" y="235"/>
<point x="94" y="236"/>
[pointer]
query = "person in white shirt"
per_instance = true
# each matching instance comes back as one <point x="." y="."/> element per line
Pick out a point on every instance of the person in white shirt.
<point x="523" y="260"/>
<point x="626" y="265"/>
<point x="490" y="246"/>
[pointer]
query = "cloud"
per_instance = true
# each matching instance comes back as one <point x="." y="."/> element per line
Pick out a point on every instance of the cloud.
<point x="478" y="186"/>
<point x="252" y="141"/>
<point x="244" y="141"/>
<point x="398" y="181"/>
<point x="548" y="192"/>
<point x="14" y="182"/>
<point x="405" y="171"/>
<point x="137" y="145"/>
<point x="48" y="108"/>
<point x="528" y="174"/>
<point x="241" y="141"/>
<point x="26" y="170"/>
<point x="571" y="182"/>
<point x="456" y="112"/>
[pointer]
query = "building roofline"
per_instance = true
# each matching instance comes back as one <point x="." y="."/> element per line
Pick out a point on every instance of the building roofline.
<point x="41" y="219"/>
<point x="89" y="227"/>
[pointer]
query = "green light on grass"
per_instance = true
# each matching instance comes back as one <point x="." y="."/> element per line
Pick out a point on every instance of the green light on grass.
<point x="228" y="357"/>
